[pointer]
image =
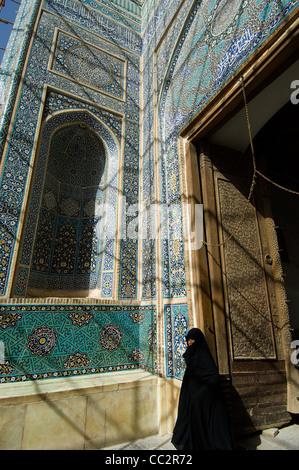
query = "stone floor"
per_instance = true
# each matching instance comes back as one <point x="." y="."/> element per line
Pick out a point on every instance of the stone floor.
<point x="286" y="438"/>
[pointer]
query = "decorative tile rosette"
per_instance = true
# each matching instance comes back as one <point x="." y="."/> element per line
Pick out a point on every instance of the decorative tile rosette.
<point x="110" y="337"/>
<point x="42" y="341"/>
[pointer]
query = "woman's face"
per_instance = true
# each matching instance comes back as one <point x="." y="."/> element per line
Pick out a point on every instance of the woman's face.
<point x="190" y="342"/>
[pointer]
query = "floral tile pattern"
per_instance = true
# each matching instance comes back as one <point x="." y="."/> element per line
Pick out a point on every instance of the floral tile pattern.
<point x="176" y="328"/>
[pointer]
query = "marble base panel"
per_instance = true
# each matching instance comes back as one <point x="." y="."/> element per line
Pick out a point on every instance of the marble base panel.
<point x="78" y="413"/>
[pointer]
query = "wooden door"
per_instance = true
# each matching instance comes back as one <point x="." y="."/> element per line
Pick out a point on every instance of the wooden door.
<point x="242" y="264"/>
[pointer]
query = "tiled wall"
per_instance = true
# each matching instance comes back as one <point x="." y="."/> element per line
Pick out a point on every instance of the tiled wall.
<point x="52" y="340"/>
<point x="84" y="66"/>
<point x="190" y="49"/>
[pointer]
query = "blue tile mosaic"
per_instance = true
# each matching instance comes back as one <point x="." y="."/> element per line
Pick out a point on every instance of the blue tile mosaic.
<point x="176" y="328"/>
<point x="67" y="207"/>
<point x="90" y="66"/>
<point x="84" y="67"/>
<point x="109" y="27"/>
<point x="217" y="37"/>
<point x="13" y="61"/>
<point x="51" y="341"/>
<point x="19" y="152"/>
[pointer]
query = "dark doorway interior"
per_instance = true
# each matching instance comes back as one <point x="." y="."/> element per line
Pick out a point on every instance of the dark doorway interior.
<point x="277" y="151"/>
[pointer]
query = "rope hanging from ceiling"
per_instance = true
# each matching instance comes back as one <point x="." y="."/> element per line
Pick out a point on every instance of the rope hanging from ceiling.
<point x="254" y="176"/>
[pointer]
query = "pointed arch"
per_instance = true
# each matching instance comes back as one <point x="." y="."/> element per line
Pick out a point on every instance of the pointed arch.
<point x="100" y="230"/>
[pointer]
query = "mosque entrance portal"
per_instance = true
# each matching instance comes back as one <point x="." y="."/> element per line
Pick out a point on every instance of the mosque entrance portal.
<point x="248" y="289"/>
<point x="249" y="323"/>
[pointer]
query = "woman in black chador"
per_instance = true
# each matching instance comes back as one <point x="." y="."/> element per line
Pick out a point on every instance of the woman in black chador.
<point x="202" y="422"/>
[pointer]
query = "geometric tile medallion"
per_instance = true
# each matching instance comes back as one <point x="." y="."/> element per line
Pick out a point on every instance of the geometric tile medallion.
<point x="48" y="341"/>
<point x="89" y="65"/>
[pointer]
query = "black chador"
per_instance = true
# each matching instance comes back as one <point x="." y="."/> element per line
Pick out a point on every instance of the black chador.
<point x="202" y="422"/>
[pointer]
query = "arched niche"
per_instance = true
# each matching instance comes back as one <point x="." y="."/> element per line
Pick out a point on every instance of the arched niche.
<point x="68" y="247"/>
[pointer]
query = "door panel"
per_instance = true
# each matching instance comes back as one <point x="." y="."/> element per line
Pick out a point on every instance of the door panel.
<point x="245" y="311"/>
<point x="247" y="303"/>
